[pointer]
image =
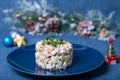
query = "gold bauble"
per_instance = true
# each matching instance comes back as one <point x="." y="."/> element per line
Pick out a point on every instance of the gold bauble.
<point x="104" y="32"/>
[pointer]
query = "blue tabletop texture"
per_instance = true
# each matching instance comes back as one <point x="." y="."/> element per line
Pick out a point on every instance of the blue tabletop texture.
<point x="109" y="72"/>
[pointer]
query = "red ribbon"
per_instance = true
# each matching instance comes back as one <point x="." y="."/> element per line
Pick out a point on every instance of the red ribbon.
<point x="112" y="58"/>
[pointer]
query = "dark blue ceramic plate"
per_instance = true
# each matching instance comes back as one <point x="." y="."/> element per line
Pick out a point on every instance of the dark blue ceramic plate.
<point x="85" y="59"/>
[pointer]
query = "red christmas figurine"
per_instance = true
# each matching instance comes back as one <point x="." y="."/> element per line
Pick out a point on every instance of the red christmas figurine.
<point x="111" y="57"/>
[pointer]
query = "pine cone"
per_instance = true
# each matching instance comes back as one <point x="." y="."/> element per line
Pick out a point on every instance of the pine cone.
<point x="85" y="28"/>
<point x="30" y="25"/>
<point x="52" y="25"/>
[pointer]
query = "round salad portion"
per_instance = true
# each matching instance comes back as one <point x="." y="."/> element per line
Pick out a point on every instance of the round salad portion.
<point x="53" y="54"/>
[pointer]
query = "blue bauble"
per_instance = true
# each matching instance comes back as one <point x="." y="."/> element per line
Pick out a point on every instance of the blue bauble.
<point x="7" y="41"/>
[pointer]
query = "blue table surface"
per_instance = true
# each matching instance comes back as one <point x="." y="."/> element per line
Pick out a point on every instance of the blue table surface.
<point x="111" y="72"/>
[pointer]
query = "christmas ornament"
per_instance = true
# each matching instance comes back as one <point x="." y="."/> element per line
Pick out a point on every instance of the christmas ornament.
<point x="85" y="28"/>
<point x="7" y="41"/>
<point x="30" y="25"/>
<point x="104" y="32"/>
<point x="52" y="24"/>
<point x="111" y="57"/>
<point x="19" y="40"/>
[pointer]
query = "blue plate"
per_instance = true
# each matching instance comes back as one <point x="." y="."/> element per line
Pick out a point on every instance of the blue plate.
<point x="85" y="59"/>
